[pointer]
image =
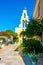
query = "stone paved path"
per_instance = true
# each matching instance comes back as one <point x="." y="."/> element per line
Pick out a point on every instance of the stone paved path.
<point x="9" y="56"/>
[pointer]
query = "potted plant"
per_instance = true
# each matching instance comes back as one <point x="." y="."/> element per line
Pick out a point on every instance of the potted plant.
<point x="34" y="59"/>
<point x="32" y="48"/>
<point x="32" y="45"/>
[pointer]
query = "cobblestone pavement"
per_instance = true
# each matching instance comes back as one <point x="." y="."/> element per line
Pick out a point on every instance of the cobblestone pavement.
<point x="9" y="56"/>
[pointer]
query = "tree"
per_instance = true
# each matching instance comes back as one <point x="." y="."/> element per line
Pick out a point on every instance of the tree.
<point x="22" y="33"/>
<point x="31" y="44"/>
<point x="10" y="33"/>
<point x="33" y="28"/>
<point x="42" y="24"/>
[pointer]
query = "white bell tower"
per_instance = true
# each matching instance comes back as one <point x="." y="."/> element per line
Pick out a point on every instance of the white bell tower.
<point x="24" y="18"/>
<point x="23" y="22"/>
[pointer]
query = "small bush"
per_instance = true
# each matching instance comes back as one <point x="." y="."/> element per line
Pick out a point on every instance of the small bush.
<point x="34" y="58"/>
<point x="31" y="46"/>
<point x="0" y="47"/>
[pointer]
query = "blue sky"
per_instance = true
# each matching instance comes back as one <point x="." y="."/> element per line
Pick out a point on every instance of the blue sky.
<point x="11" y="11"/>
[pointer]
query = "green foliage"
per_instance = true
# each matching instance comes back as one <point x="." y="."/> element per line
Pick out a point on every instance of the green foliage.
<point x="0" y="34"/>
<point x="33" y="28"/>
<point x="22" y="33"/>
<point x="9" y="30"/>
<point x="31" y="46"/>
<point x="15" y="39"/>
<point x="42" y="24"/>
<point x="10" y="33"/>
<point x="34" y="58"/>
<point x="4" y="40"/>
<point x="42" y="20"/>
<point x="0" y="46"/>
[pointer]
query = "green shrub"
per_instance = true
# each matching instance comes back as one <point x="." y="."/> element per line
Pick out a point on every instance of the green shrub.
<point x="31" y="46"/>
<point x="4" y="40"/>
<point x="15" y="39"/>
<point x="34" y="58"/>
<point x="0" y="47"/>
